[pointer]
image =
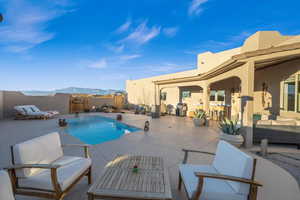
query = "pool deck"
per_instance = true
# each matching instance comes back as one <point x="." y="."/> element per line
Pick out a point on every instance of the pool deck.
<point x="167" y="136"/>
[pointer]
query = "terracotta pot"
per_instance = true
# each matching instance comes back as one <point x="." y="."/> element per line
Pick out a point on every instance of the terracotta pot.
<point x="235" y="140"/>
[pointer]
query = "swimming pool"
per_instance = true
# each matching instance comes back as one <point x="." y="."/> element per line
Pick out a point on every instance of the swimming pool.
<point x="97" y="129"/>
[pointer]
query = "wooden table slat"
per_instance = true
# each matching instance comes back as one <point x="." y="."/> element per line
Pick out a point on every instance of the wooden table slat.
<point x="118" y="179"/>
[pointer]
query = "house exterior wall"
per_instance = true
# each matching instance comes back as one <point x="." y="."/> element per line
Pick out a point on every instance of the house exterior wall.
<point x="142" y="91"/>
<point x="59" y="102"/>
<point x="273" y="77"/>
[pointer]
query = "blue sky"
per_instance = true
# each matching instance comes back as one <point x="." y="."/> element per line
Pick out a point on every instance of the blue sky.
<point x="52" y="44"/>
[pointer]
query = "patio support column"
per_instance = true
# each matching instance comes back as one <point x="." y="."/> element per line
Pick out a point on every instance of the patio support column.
<point x="228" y="102"/>
<point x="156" y="108"/>
<point x="247" y="101"/>
<point x="205" y="97"/>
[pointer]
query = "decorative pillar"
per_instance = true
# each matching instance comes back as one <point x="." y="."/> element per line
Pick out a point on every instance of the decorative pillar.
<point x="206" y="93"/>
<point x="247" y="101"/>
<point x="227" y="103"/>
<point x="156" y="108"/>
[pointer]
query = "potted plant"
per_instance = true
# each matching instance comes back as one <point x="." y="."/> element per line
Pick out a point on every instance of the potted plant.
<point x="199" y="118"/>
<point x="230" y="132"/>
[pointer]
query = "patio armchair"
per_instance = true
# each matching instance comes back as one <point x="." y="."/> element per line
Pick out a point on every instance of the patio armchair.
<point x="6" y="190"/>
<point x="230" y="177"/>
<point x="41" y="169"/>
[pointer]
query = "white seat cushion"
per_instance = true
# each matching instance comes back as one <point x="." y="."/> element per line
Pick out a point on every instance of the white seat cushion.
<point x="231" y="161"/>
<point x="72" y="168"/>
<point x="213" y="189"/>
<point x="6" y="192"/>
<point x="41" y="150"/>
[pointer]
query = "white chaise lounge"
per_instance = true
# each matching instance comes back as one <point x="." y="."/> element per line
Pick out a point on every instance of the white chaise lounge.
<point x="230" y="177"/>
<point x="6" y="191"/>
<point x="40" y="168"/>
<point x="33" y="112"/>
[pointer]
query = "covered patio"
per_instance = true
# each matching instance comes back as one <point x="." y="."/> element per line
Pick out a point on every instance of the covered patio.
<point x="264" y="82"/>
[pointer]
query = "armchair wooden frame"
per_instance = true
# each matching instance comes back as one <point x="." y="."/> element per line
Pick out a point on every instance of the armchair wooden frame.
<point x="201" y="176"/>
<point x="57" y="193"/>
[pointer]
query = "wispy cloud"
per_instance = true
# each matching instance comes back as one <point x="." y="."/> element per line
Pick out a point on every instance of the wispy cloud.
<point x="98" y="64"/>
<point x="108" y="62"/>
<point x="195" y="7"/>
<point x="171" y="31"/>
<point x="26" y="24"/>
<point x="142" y="34"/>
<point x="116" y="48"/>
<point x="130" y="57"/>
<point x="124" y="27"/>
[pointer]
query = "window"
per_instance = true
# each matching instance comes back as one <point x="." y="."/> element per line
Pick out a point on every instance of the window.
<point x="212" y="95"/>
<point x="291" y="93"/>
<point x="186" y="94"/>
<point x="221" y="95"/>
<point x="163" y="96"/>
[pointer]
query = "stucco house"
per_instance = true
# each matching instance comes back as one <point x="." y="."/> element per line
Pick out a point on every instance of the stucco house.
<point x="262" y="76"/>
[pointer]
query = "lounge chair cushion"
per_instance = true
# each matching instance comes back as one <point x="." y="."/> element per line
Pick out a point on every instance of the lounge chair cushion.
<point x="34" y="108"/>
<point x="21" y="110"/>
<point x="41" y="150"/>
<point x="71" y="169"/>
<point x="213" y="189"/>
<point x="6" y="192"/>
<point x="231" y="161"/>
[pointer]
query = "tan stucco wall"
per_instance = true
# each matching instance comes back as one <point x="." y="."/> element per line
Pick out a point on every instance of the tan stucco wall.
<point x="172" y="95"/>
<point x="208" y="60"/>
<point x="273" y="76"/>
<point x="263" y="40"/>
<point x="1" y="105"/>
<point x="142" y="91"/>
<point x="59" y="102"/>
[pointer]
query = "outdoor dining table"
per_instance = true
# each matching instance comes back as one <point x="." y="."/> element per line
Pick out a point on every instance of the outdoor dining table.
<point x="133" y="177"/>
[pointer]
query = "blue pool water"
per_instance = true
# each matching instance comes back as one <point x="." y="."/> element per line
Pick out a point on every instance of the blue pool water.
<point x="97" y="129"/>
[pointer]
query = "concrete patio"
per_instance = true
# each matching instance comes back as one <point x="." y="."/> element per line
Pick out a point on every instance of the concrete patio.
<point x="167" y="136"/>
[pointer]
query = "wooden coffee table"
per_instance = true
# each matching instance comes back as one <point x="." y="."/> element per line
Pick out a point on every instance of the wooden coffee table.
<point x="118" y="181"/>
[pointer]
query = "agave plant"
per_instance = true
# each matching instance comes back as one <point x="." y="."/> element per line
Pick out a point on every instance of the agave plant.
<point x="200" y="114"/>
<point x="230" y="127"/>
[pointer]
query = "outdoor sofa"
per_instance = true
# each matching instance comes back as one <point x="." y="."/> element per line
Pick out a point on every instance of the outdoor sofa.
<point x="39" y="167"/>
<point x="33" y="112"/>
<point x="230" y="177"/>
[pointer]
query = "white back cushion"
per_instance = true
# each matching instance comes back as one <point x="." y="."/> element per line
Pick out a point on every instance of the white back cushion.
<point x="34" y="108"/>
<point x="229" y="160"/>
<point x="41" y="150"/>
<point x="6" y="192"/>
<point x="21" y="110"/>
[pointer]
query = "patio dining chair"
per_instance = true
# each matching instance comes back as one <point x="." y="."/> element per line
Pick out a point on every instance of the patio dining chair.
<point x="230" y="177"/>
<point x="41" y="169"/>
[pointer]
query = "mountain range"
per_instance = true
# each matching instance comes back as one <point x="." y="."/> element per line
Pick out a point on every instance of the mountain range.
<point x="73" y="90"/>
